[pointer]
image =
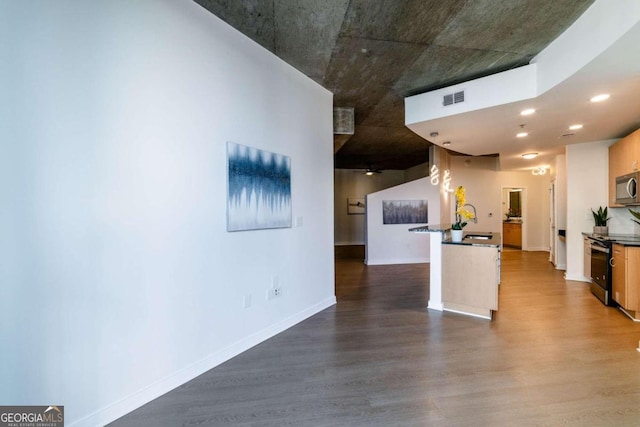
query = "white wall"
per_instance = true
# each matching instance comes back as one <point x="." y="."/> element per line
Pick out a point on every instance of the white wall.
<point x="561" y="191"/>
<point x="350" y="229"/>
<point x="587" y="188"/>
<point x="119" y="281"/>
<point x="560" y="173"/>
<point x="417" y="172"/>
<point x="484" y="186"/>
<point x="393" y="243"/>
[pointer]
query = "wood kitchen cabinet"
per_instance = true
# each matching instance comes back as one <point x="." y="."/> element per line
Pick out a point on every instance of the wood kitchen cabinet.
<point x="626" y="276"/>
<point x="512" y="234"/>
<point x="587" y="257"/>
<point x="624" y="158"/>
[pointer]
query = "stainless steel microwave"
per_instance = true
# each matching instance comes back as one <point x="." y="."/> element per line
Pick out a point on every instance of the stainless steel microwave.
<point x="627" y="189"/>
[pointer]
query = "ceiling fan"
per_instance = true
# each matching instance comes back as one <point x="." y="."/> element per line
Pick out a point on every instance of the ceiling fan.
<point x="370" y="171"/>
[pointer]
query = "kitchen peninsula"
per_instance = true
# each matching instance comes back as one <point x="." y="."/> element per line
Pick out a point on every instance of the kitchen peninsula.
<point x="464" y="276"/>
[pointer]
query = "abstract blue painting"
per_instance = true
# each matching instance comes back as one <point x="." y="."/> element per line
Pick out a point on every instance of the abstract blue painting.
<point x="259" y="189"/>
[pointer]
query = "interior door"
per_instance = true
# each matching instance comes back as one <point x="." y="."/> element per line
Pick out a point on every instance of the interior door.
<point x="552" y="222"/>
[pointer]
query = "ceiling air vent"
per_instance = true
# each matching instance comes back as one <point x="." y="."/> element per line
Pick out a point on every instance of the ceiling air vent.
<point x="343" y="121"/>
<point x="453" y="98"/>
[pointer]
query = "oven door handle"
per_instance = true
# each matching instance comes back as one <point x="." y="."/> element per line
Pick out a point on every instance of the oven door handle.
<point x="599" y="249"/>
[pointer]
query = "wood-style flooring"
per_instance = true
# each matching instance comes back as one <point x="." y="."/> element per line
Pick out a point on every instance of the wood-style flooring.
<point x="553" y="355"/>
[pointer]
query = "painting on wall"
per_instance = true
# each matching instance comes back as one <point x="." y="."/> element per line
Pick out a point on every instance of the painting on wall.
<point x="258" y="189"/>
<point x="405" y="212"/>
<point x="355" y="206"/>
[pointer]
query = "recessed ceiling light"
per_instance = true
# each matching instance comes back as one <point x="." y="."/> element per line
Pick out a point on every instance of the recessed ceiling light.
<point x="600" y="98"/>
<point x="575" y="127"/>
<point x="530" y="155"/>
<point x="522" y="134"/>
<point x="527" y="112"/>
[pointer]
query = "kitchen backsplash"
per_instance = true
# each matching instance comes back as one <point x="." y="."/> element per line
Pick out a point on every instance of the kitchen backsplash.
<point x="620" y="222"/>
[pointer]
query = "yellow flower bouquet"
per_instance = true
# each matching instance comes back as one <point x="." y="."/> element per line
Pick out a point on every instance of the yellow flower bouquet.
<point x="463" y="214"/>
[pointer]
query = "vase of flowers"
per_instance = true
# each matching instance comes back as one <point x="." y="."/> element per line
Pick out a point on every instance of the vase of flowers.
<point x="456" y="235"/>
<point x="463" y="214"/>
<point x="513" y="213"/>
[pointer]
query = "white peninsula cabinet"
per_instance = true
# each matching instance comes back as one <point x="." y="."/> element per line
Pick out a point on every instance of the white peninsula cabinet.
<point x="470" y="278"/>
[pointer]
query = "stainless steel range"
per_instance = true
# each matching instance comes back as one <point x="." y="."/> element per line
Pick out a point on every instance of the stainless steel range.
<point x="601" y="263"/>
<point x="601" y="285"/>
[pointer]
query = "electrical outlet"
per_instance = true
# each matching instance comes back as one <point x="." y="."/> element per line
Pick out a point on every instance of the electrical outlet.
<point x="274" y="292"/>
<point x="246" y="301"/>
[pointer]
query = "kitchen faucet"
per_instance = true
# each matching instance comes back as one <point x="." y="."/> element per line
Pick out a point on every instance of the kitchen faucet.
<point x="475" y="214"/>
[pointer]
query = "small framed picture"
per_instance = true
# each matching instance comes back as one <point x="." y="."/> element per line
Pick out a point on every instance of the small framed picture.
<point x="355" y="205"/>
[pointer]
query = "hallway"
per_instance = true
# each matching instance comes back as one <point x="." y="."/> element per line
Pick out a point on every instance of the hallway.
<point x="552" y="355"/>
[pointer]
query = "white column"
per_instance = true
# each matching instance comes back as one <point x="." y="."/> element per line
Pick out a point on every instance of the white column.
<point x="435" y="270"/>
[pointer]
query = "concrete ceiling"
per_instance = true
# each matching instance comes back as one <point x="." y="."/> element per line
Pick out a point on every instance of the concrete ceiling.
<point x="597" y="55"/>
<point x="373" y="53"/>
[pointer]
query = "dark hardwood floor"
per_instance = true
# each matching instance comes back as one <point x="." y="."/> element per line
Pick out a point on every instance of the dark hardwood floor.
<point x="553" y="355"/>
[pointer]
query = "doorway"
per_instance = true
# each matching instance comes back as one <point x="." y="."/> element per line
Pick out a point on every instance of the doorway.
<point x="513" y="219"/>
<point x="552" y="222"/>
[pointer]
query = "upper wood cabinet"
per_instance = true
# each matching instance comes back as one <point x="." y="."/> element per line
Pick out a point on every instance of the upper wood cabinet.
<point x="624" y="158"/>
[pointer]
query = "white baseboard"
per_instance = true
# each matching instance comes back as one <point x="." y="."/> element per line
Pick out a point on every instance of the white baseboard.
<point x="396" y="261"/>
<point x="537" y="249"/>
<point x="432" y="305"/>
<point x="129" y="403"/>
<point x="577" y="278"/>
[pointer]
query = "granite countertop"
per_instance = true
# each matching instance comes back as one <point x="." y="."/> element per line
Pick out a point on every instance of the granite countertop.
<point x="481" y="238"/>
<point x="431" y="228"/>
<point x="623" y="239"/>
<point x="477" y="238"/>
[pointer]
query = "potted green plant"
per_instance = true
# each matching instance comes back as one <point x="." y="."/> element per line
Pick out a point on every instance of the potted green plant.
<point x="636" y="214"/>
<point x="600" y="218"/>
